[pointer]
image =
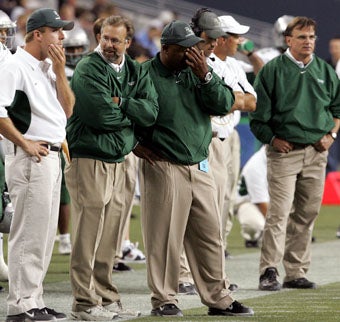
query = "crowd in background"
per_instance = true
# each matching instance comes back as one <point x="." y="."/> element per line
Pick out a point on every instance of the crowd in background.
<point x="146" y="42"/>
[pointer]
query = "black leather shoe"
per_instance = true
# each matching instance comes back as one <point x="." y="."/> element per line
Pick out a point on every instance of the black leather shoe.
<point x="268" y="280"/>
<point x="251" y="244"/>
<point x="167" y="310"/>
<point x="235" y="309"/>
<point x="299" y="283"/>
<point x="121" y="267"/>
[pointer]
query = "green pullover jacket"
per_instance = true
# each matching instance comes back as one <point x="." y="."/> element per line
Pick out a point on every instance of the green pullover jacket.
<point x="295" y="104"/>
<point x="182" y="132"/>
<point x="100" y="129"/>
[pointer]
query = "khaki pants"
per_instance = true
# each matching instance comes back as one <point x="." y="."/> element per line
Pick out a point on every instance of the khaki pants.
<point x="35" y="193"/>
<point x="179" y="206"/>
<point x="295" y="183"/>
<point x="230" y="196"/>
<point x="97" y="200"/>
<point x="184" y="270"/>
<point x="131" y="172"/>
<point x="224" y="158"/>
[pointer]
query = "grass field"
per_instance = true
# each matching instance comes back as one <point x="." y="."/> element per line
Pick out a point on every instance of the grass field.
<point x="325" y="229"/>
<point x="322" y="304"/>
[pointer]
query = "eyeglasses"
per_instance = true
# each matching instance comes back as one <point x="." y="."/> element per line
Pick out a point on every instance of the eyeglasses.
<point x="113" y="41"/>
<point x="304" y="38"/>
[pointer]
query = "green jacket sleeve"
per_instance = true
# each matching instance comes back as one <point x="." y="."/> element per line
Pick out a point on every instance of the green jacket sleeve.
<point x="217" y="98"/>
<point x="142" y="108"/>
<point x="92" y="88"/>
<point x="259" y="120"/>
<point x="335" y="103"/>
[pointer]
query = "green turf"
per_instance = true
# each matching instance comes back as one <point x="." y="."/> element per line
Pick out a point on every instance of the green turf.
<point x="320" y="305"/>
<point x="294" y="305"/>
<point x="325" y="228"/>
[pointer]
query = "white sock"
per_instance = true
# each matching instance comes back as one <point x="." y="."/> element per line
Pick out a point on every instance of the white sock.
<point x="64" y="238"/>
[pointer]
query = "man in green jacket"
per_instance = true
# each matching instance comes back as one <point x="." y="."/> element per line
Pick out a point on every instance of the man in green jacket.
<point x="178" y="193"/>
<point x="297" y="116"/>
<point x="113" y="95"/>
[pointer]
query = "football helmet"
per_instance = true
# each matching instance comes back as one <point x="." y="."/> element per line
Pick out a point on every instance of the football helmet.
<point x="7" y="30"/>
<point x="280" y="26"/>
<point x="76" y="44"/>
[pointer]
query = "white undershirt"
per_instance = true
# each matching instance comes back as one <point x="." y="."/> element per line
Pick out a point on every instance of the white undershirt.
<point x="297" y="62"/>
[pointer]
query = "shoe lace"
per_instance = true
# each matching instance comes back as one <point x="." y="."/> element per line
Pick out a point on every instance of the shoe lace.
<point x="99" y="308"/>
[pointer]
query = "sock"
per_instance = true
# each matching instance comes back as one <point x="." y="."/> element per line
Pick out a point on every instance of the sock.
<point x="64" y="238"/>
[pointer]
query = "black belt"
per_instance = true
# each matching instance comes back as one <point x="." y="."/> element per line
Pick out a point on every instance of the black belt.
<point x="54" y="148"/>
<point x="298" y="146"/>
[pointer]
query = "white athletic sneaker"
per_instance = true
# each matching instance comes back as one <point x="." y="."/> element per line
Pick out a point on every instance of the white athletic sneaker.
<point x="3" y="271"/>
<point x="96" y="313"/>
<point x="65" y="246"/>
<point x="131" y="253"/>
<point x="117" y="307"/>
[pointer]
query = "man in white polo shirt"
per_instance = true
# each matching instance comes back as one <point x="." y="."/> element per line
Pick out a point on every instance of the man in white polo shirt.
<point x="35" y="101"/>
<point x="225" y="146"/>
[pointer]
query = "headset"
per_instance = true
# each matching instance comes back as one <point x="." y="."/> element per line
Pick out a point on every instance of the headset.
<point x="195" y="21"/>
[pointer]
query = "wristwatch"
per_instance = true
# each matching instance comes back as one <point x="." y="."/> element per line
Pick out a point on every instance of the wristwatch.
<point x="208" y="77"/>
<point x="334" y="135"/>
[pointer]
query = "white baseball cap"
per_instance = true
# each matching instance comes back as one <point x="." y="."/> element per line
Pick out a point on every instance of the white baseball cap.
<point x="230" y="25"/>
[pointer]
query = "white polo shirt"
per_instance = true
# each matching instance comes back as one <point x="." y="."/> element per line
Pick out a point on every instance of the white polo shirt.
<point x="38" y="114"/>
<point x="231" y="72"/>
<point x="4" y="53"/>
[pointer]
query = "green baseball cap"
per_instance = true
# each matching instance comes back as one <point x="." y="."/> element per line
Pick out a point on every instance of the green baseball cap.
<point x="47" y="17"/>
<point x="179" y="33"/>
